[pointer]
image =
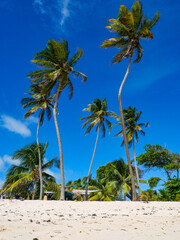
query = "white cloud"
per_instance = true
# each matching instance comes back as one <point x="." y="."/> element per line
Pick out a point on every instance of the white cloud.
<point x="14" y="125"/>
<point x="1" y="164"/>
<point x="32" y="119"/>
<point x="38" y="5"/>
<point x="69" y="175"/>
<point x="57" y="10"/>
<point x="64" y="11"/>
<point x="8" y="159"/>
<point x="55" y="175"/>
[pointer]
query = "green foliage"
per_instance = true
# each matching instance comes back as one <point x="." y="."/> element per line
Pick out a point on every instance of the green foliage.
<point x="116" y="175"/>
<point x="173" y="188"/>
<point x="149" y="195"/>
<point x="131" y="27"/>
<point x="98" y="117"/>
<point x="153" y="181"/>
<point x="103" y="192"/>
<point x="20" y="179"/>
<point x="80" y="183"/>
<point x="38" y="100"/>
<point x="159" y="157"/>
<point x="171" y="192"/>
<point x="56" y="67"/>
<point x="132" y="127"/>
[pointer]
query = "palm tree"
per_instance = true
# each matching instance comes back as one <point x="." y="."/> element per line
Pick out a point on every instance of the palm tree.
<point x="37" y="101"/>
<point x="98" y="118"/>
<point x="132" y="129"/>
<point x="102" y="192"/>
<point x="131" y="27"/>
<point x="24" y="178"/>
<point x="117" y="177"/>
<point x="56" y="68"/>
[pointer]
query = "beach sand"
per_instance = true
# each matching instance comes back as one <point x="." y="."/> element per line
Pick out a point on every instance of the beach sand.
<point x="42" y="220"/>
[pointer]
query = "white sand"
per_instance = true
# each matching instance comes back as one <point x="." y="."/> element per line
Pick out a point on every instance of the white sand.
<point x="42" y="220"/>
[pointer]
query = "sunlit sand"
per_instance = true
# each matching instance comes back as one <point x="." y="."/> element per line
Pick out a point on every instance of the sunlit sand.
<point x="41" y="220"/>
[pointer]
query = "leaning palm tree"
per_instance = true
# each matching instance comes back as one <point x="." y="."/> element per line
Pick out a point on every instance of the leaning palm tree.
<point x="131" y="27"/>
<point x="56" y="68"/>
<point x="132" y="129"/>
<point x="44" y="103"/>
<point x="23" y="179"/>
<point x="98" y="118"/>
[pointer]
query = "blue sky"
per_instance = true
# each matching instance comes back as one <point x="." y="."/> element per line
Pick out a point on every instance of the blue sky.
<point x="152" y="86"/>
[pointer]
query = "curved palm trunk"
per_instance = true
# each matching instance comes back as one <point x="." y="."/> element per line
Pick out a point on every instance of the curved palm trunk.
<point x="40" y="162"/>
<point x="136" y="169"/>
<point x="89" y="173"/>
<point x="62" y="196"/>
<point x="34" y="191"/>
<point x="134" y="196"/>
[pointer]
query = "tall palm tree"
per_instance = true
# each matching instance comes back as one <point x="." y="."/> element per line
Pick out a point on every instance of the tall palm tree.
<point x="132" y="129"/>
<point x="24" y="178"/>
<point x="98" y="118"/>
<point x="56" y="68"/>
<point x="131" y="27"/>
<point x="44" y="103"/>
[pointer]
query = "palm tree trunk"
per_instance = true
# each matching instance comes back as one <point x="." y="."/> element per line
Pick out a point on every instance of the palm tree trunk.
<point x="34" y="190"/>
<point x="40" y="162"/>
<point x="134" y="196"/>
<point x="89" y="173"/>
<point x="178" y="173"/>
<point x="124" y="196"/>
<point x="62" y="196"/>
<point x="136" y="169"/>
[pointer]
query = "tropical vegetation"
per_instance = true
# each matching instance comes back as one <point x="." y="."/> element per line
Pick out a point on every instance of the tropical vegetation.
<point x="54" y="75"/>
<point x="98" y="119"/>
<point x="132" y="129"/>
<point x="24" y="179"/>
<point x="116" y="180"/>
<point x="43" y="102"/>
<point x="130" y="27"/>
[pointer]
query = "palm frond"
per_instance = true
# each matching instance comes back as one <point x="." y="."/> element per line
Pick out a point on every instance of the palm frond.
<point x="22" y="181"/>
<point x="79" y="74"/>
<point x="76" y="57"/>
<point x="53" y="162"/>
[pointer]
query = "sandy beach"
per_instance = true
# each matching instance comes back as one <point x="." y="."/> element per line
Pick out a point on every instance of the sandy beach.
<point x="41" y="220"/>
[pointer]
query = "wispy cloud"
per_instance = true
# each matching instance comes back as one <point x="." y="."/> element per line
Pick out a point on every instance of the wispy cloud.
<point x="14" y="125"/>
<point x="55" y="175"/>
<point x="38" y="5"/>
<point x="70" y="175"/>
<point x="57" y="10"/>
<point x="1" y="164"/>
<point x="64" y="11"/>
<point x="32" y="119"/>
<point x="6" y="159"/>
